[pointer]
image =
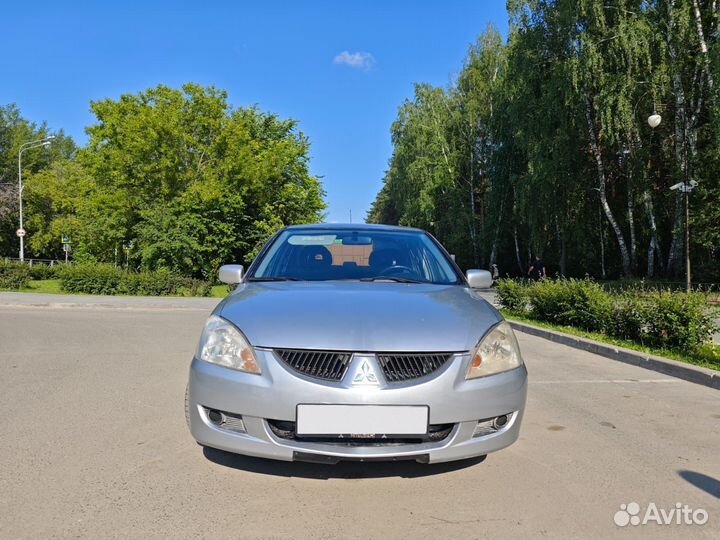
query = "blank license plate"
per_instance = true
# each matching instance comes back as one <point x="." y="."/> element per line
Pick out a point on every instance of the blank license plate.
<point x="362" y="420"/>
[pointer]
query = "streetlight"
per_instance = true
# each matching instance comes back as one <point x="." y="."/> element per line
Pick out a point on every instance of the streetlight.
<point x="686" y="186"/>
<point x="44" y="142"/>
<point x="654" y="120"/>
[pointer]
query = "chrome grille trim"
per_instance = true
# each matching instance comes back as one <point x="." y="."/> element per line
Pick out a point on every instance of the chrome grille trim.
<point x="399" y="367"/>
<point x="326" y="365"/>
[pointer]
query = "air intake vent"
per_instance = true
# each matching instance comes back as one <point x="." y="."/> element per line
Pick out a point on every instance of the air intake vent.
<point x="326" y="365"/>
<point x="399" y="367"/>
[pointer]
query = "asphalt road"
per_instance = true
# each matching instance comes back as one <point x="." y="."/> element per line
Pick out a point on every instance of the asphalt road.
<point x="93" y="444"/>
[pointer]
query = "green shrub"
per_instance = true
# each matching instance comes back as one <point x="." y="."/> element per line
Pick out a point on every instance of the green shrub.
<point x="676" y="320"/>
<point x="44" y="271"/>
<point x="513" y="295"/>
<point x="160" y="283"/>
<point x="570" y="302"/>
<point x="14" y="275"/>
<point x="196" y="287"/>
<point x="628" y="318"/>
<point x="91" y="279"/>
<point x="662" y="319"/>
<point x="106" y="279"/>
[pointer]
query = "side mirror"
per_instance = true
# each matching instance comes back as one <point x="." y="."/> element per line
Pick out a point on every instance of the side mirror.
<point x="231" y="273"/>
<point x="479" y="279"/>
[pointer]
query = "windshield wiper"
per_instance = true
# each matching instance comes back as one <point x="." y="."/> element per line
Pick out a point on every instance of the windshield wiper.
<point x="392" y="278"/>
<point x="256" y="279"/>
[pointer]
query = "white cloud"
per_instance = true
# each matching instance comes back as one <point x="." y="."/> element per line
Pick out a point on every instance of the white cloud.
<point x="357" y="60"/>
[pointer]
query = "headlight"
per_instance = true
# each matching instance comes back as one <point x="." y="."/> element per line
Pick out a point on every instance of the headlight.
<point x="223" y="344"/>
<point x="497" y="352"/>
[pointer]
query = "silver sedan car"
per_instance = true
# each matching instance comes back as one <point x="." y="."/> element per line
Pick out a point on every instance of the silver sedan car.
<point x="356" y="342"/>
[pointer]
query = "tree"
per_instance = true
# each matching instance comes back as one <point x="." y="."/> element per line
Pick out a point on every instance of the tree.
<point x="548" y="149"/>
<point x="192" y="181"/>
<point x="14" y="132"/>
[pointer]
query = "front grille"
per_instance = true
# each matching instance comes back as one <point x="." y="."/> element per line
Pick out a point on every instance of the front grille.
<point x="286" y="430"/>
<point x="327" y="365"/>
<point x="399" y="367"/>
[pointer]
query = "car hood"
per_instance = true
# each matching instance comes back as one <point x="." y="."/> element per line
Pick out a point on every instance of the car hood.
<point x="359" y="316"/>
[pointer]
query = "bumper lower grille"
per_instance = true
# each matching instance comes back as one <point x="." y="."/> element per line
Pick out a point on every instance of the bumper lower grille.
<point x="399" y="367"/>
<point x="436" y="433"/>
<point x="327" y="365"/>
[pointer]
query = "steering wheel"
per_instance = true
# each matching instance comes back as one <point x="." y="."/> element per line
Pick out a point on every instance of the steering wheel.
<point x="397" y="269"/>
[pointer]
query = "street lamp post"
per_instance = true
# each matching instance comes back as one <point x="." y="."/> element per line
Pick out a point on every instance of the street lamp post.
<point x="45" y="142"/>
<point x="686" y="186"/>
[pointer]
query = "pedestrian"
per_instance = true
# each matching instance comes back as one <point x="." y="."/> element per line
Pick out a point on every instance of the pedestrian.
<point x="537" y="270"/>
<point x="495" y="271"/>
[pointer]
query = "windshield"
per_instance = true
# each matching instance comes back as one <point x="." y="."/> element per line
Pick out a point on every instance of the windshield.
<point x="347" y="254"/>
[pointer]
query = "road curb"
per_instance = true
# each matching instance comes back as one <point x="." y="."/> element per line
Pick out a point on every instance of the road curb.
<point x="100" y="307"/>
<point x="10" y="300"/>
<point x="687" y="372"/>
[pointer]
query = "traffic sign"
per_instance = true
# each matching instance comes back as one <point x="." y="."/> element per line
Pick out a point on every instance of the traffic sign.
<point x="20" y="232"/>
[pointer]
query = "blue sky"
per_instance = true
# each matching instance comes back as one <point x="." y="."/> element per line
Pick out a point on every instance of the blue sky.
<point x="285" y="57"/>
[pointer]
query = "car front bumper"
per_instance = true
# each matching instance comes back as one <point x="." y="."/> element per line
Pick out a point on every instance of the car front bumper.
<point x="275" y="394"/>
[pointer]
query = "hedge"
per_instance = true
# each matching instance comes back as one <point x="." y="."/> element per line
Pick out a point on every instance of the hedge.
<point x="107" y="279"/>
<point x="45" y="271"/>
<point x="14" y="275"/>
<point x="662" y="318"/>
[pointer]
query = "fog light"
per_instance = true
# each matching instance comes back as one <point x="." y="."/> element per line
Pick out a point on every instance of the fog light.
<point x="500" y="421"/>
<point x="491" y="425"/>
<point x="226" y="420"/>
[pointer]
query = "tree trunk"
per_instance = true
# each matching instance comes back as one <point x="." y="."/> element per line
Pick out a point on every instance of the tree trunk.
<point x="631" y="221"/>
<point x="517" y="252"/>
<point x="703" y="45"/>
<point x="654" y="247"/>
<point x="681" y="129"/>
<point x="473" y="226"/>
<point x="674" y="253"/>
<point x="601" y="227"/>
<point x="561" y="245"/>
<point x="624" y="253"/>
<point x="493" y="252"/>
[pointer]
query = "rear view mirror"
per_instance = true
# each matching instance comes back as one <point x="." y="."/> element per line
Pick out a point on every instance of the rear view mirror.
<point x="231" y="273"/>
<point x="479" y="279"/>
<point x="355" y="240"/>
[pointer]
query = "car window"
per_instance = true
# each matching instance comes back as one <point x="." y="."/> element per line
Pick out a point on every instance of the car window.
<point x="347" y="254"/>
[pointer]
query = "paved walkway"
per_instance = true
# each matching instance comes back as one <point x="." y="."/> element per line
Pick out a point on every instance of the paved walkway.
<point x="10" y="299"/>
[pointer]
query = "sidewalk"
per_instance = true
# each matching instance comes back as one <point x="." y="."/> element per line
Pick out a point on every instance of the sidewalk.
<point x="27" y="300"/>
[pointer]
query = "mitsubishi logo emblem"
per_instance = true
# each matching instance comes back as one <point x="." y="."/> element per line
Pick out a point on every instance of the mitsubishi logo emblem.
<point x="365" y="374"/>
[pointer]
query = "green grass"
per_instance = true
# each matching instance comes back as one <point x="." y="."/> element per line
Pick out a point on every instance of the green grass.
<point x="707" y="356"/>
<point x="45" y="286"/>
<point x="41" y="286"/>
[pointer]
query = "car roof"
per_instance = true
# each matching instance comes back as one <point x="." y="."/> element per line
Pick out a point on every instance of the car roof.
<point x="352" y="226"/>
